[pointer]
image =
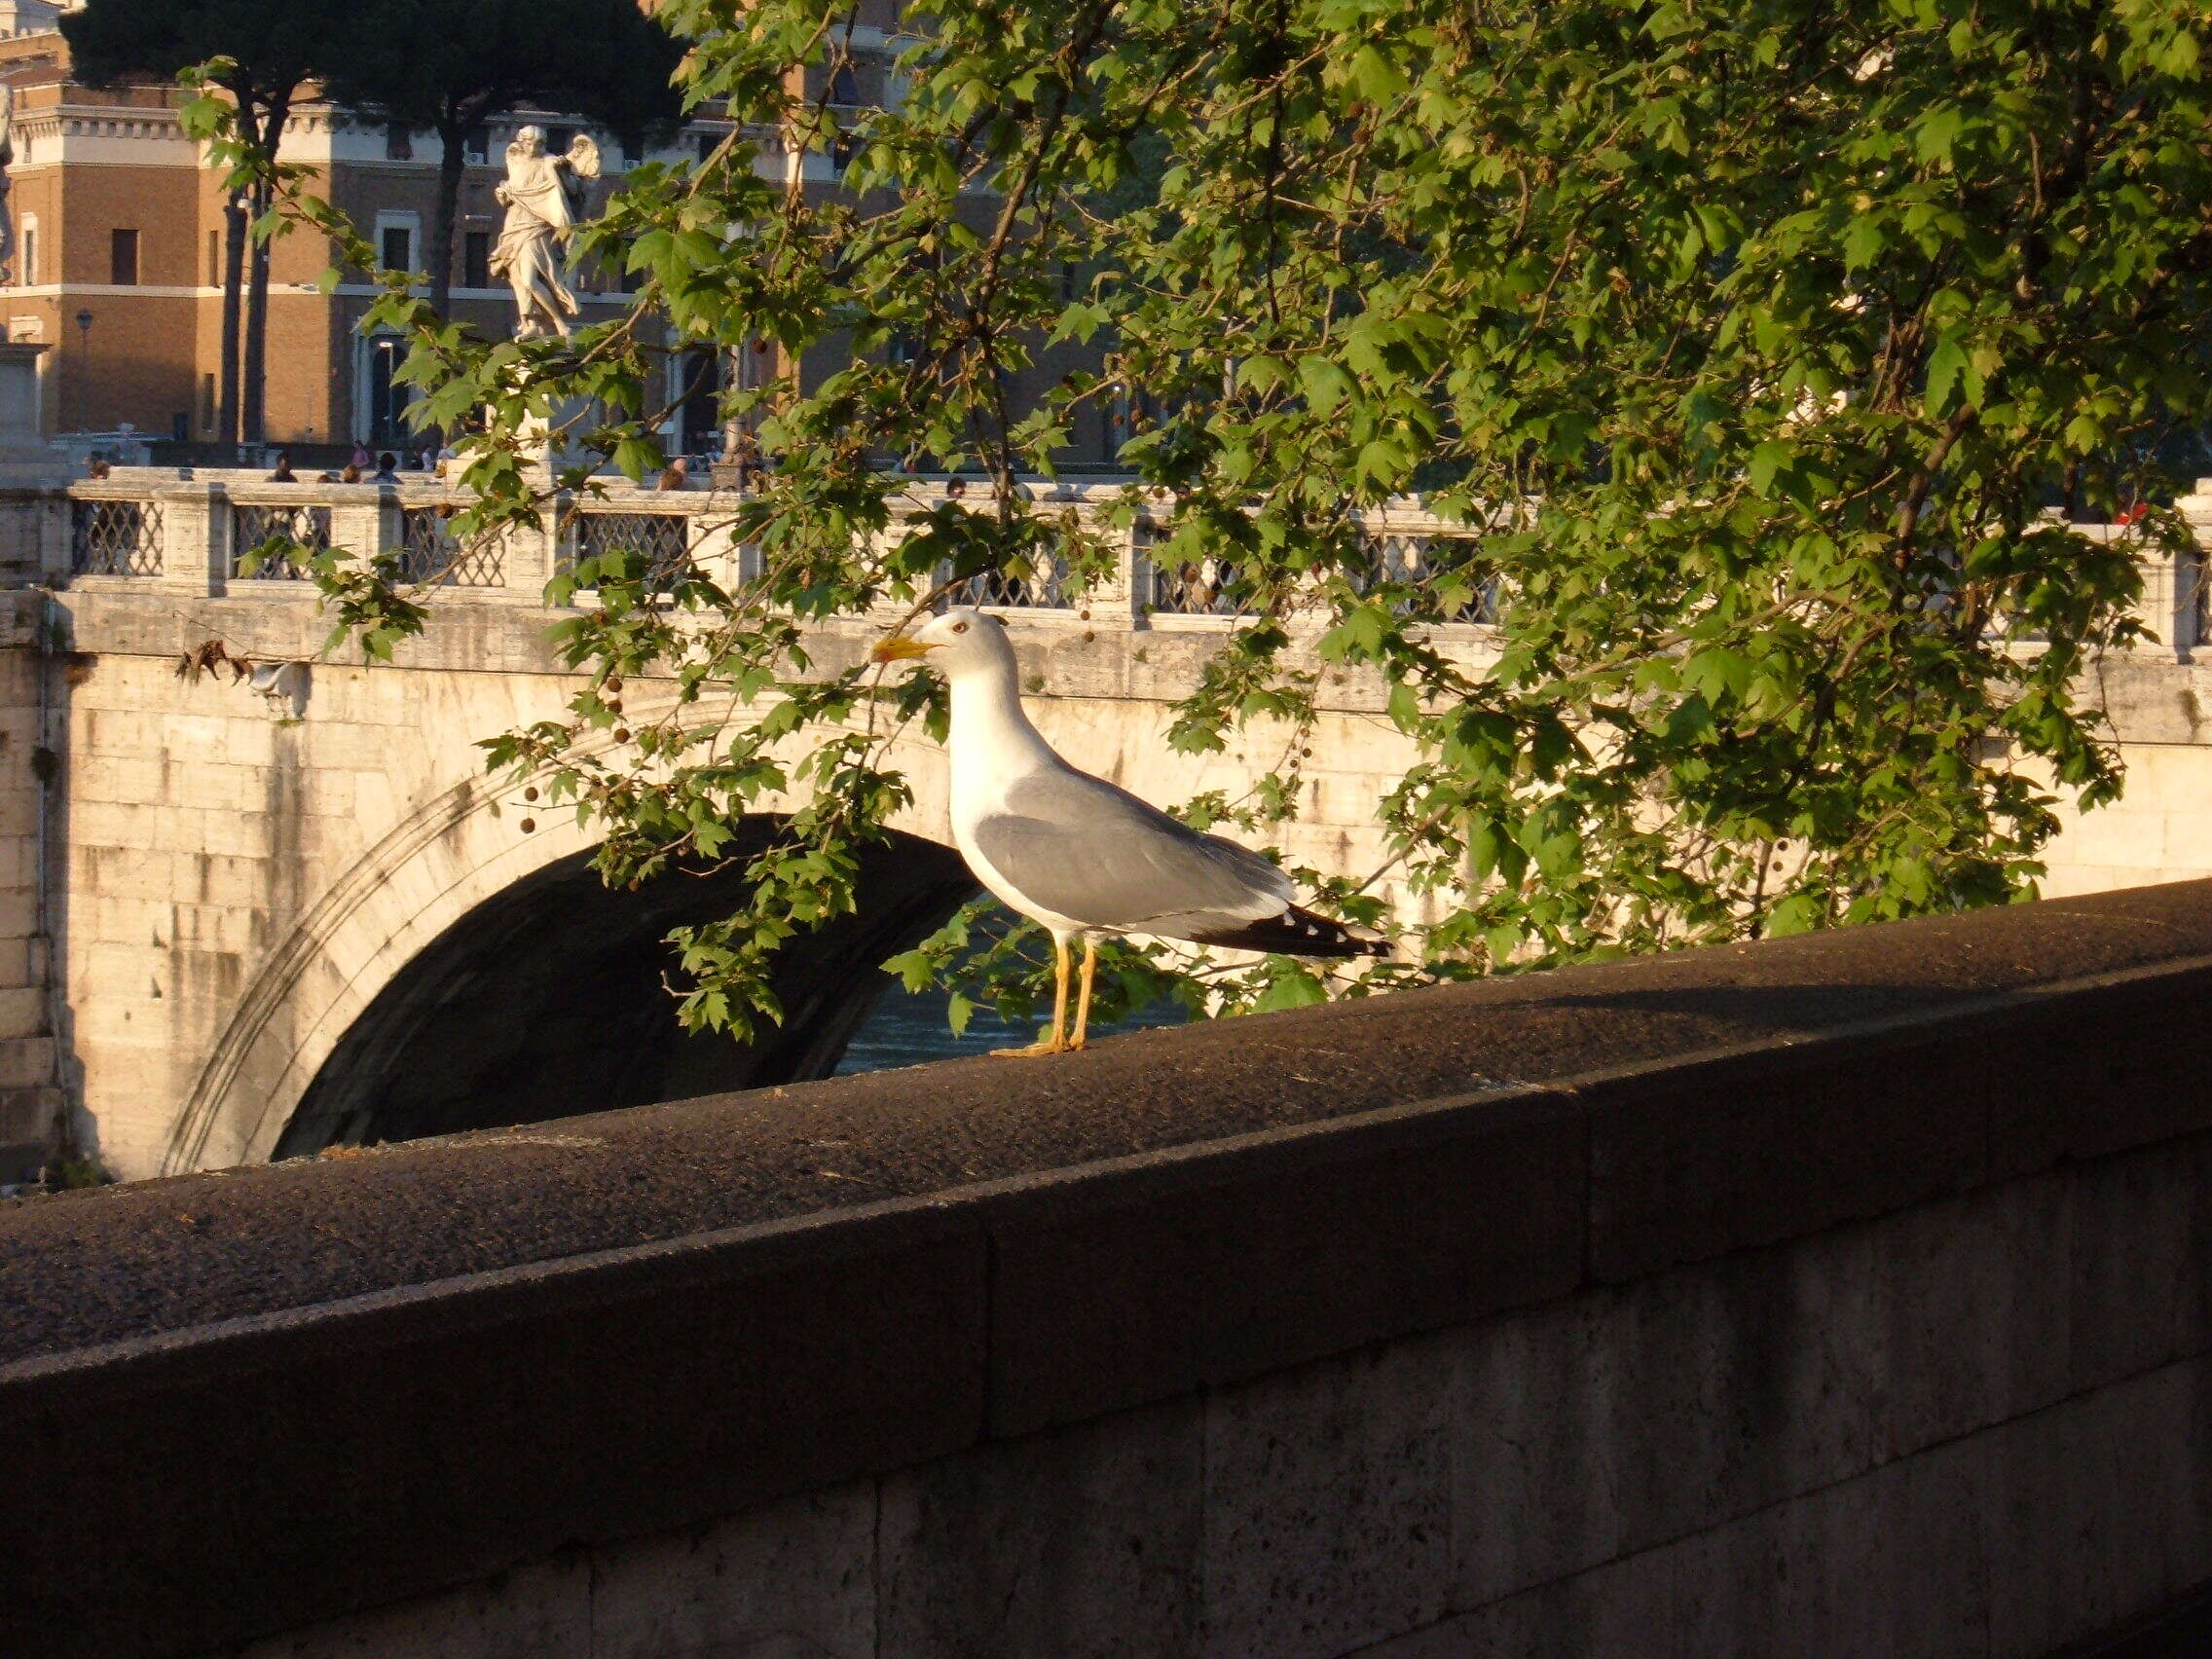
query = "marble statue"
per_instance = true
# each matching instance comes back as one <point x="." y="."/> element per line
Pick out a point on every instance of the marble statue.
<point x="542" y="216"/>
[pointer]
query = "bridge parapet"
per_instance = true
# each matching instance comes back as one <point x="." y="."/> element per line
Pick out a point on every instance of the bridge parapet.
<point x="1832" y="1296"/>
<point x="154" y="525"/>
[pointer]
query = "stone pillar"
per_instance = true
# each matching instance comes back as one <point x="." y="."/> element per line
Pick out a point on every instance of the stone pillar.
<point x="1115" y="603"/>
<point x="2187" y="627"/>
<point x="715" y="550"/>
<point x="196" y="538"/>
<point x="34" y="547"/>
<point x="534" y="555"/>
<point x="31" y="1099"/>
<point x="365" y="528"/>
<point x="33" y="518"/>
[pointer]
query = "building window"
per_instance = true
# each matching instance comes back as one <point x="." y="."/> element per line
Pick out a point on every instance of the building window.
<point x="633" y="149"/>
<point x="476" y="259"/>
<point x="123" y="259"/>
<point x="26" y="255"/>
<point x="558" y="139"/>
<point x="856" y="82"/>
<point x="476" y="148"/>
<point x="398" y="242"/>
<point x="206" y="403"/>
<point x="399" y="142"/>
<point x="708" y="143"/>
<point x="214" y="259"/>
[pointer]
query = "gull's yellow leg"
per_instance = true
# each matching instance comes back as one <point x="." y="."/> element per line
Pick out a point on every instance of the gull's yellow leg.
<point x="1083" y="1001"/>
<point x="1057" y="1043"/>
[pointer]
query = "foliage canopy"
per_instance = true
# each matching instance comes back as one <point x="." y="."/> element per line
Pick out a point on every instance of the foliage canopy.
<point x="1755" y="338"/>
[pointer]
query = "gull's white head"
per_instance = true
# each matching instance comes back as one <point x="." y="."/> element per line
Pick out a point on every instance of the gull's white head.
<point x="962" y="641"/>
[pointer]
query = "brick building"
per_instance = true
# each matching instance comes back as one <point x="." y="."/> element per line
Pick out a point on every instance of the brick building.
<point x="117" y="263"/>
<point x="118" y="241"/>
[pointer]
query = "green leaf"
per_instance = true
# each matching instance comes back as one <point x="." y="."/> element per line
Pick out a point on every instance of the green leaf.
<point x="1767" y="460"/>
<point x="1293" y="987"/>
<point x="1947" y="363"/>
<point x="1324" y="383"/>
<point x="1863" y="240"/>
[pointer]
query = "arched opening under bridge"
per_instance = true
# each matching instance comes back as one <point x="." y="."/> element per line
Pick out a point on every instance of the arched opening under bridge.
<point x="551" y="999"/>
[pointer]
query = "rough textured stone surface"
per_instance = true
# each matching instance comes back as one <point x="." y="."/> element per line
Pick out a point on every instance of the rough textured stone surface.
<point x="1972" y="1313"/>
<point x="539" y="1611"/>
<point x="1751" y="1025"/>
<point x="1081" y="1542"/>
<point x="1423" y="1226"/>
<point x="1600" y="1425"/>
<point x="1328" y="1500"/>
<point x="793" y="1578"/>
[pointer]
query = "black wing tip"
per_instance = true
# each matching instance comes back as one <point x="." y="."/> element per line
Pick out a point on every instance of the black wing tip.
<point x="1299" y="932"/>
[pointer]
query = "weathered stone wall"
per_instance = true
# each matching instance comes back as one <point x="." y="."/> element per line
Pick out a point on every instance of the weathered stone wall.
<point x="1982" y="1427"/>
<point x="31" y="1098"/>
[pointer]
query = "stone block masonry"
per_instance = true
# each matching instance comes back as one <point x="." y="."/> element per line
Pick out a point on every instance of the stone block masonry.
<point x="1843" y="1296"/>
<point x="32" y="1095"/>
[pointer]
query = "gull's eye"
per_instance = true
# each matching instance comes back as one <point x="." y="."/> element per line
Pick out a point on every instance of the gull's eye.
<point x="960" y="627"/>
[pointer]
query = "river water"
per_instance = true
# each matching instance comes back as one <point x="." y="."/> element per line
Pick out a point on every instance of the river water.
<point x="907" y="1028"/>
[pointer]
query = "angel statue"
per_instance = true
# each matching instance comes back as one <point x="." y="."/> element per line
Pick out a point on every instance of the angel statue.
<point x="542" y="216"/>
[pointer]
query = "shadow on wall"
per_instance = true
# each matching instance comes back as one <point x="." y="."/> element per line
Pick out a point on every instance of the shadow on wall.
<point x="552" y="999"/>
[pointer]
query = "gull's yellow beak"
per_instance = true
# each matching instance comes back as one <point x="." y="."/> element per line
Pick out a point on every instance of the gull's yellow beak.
<point x="899" y="648"/>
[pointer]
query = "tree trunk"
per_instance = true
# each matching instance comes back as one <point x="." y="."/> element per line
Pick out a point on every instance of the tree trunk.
<point x="256" y="422"/>
<point x="234" y="306"/>
<point x="452" y="168"/>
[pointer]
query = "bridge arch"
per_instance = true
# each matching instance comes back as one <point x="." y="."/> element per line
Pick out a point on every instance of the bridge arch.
<point x="378" y="975"/>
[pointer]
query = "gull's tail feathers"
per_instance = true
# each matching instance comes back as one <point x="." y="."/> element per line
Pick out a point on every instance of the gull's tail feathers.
<point x="1297" y="932"/>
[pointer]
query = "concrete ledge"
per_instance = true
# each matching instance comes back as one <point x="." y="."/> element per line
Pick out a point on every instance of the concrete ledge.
<point x="234" y="1404"/>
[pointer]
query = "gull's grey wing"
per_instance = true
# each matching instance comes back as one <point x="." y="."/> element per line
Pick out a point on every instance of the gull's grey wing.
<point x="1081" y="848"/>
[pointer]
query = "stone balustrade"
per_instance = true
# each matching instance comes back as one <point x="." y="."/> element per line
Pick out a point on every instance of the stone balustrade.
<point x="151" y="524"/>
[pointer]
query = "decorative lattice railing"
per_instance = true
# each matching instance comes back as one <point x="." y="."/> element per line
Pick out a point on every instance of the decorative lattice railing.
<point x="276" y="543"/>
<point x="429" y="551"/>
<point x="663" y="540"/>
<point x="115" y="539"/>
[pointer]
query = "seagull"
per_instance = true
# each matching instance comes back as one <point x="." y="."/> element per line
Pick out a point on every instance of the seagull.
<point x="1080" y="856"/>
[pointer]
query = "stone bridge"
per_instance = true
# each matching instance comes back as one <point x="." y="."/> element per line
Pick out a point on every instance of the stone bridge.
<point x="232" y="935"/>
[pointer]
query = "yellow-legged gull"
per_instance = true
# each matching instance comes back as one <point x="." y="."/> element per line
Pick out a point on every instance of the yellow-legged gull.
<point x="1081" y="856"/>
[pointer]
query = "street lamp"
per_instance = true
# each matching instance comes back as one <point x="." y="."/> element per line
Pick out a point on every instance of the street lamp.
<point x="85" y="335"/>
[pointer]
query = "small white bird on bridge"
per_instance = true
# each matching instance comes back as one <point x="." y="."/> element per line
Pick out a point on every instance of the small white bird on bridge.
<point x="1080" y="856"/>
